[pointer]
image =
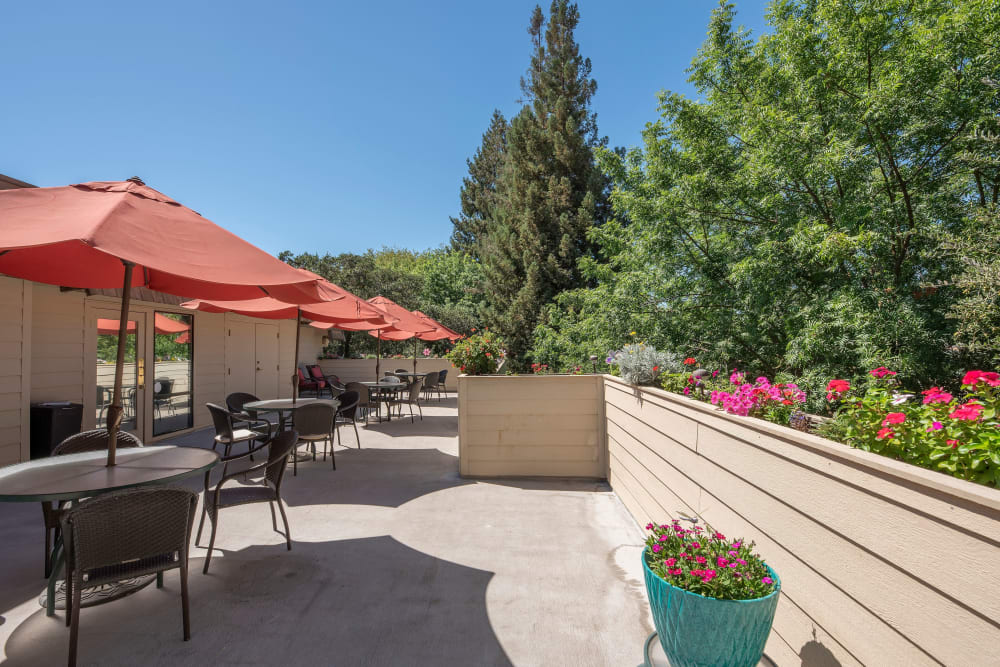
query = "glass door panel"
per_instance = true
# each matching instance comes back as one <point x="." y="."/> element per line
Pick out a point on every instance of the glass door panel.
<point x="132" y="372"/>
<point x="173" y="372"/>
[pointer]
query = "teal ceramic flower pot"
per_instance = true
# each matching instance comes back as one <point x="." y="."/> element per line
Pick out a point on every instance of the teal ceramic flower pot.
<point x="696" y="631"/>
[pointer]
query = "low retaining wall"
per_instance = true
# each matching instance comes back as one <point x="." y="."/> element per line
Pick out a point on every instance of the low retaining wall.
<point x="363" y="370"/>
<point x="881" y="562"/>
<point x="530" y="426"/>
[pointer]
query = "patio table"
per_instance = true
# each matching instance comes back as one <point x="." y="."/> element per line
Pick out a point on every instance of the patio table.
<point x="380" y="387"/>
<point x="411" y="375"/>
<point x="285" y="406"/>
<point x="85" y="475"/>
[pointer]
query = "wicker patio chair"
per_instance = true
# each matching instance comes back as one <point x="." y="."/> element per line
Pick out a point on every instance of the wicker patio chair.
<point x="410" y="398"/>
<point x="315" y="422"/>
<point x="253" y="419"/>
<point x="364" y="397"/>
<point x="347" y="414"/>
<point x="267" y="491"/>
<point x="88" y="441"/>
<point x="127" y="534"/>
<point x="431" y="383"/>
<point x="227" y="434"/>
<point x="401" y="370"/>
<point x="441" y="385"/>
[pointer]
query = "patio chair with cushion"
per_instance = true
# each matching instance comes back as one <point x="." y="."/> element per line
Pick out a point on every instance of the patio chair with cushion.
<point x="305" y="384"/>
<point x="227" y="434"/>
<point x="253" y="420"/>
<point x="315" y="423"/>
<point x="410" y="398"/>
<point x="364" y="397"/>
<point x="123" y="535"/>
<point x="332" y="383"/>
<point x="347" y="413"/>
<point x="88" y="441"/>
<point x="267" y="491"/>
<point x="431" y="383"/>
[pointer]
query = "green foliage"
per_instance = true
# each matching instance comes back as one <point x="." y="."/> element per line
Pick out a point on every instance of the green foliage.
<point x="957" y="436"/>
<point x="791" y="220"/>
<point x="642" y="364"/>
<point x="479" y="189"/>
<point x="549" y="192"/>
<point x="444" y="284"/>
<point x="479" y="354"/>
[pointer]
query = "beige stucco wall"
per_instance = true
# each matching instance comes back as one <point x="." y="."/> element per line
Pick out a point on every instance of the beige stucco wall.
<point x="532" y="426"/>
<point x="882" y="563"/>
<point x="363" y="370"/>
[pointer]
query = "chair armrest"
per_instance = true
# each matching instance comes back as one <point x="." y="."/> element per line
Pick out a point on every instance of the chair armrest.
<point x="254" y="450"/>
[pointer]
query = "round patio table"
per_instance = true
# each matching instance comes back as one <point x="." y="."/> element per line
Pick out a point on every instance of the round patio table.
<point x="285" y="406"/>
<point x="383" y="386"/>
<point x="85" y="475"/>
<point x="411" y="375"/>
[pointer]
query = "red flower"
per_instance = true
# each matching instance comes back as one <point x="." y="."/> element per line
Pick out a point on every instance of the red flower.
<point x="894" y="418"/>
<point x="885" y="433"/>
<point x="786" y="402"/>
<point x="953" y="443"/>
<point x="655" y="368"/>
<point x="968" y="412"/>
<point x="881" y="372"/>
<point x="990" y="378"/>
<point x="690" y="361"/>
<point x="838" y="386"/>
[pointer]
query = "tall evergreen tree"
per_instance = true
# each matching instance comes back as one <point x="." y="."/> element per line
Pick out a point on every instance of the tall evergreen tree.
<point x="550" y="192"/>
<point x="479" y="188"/>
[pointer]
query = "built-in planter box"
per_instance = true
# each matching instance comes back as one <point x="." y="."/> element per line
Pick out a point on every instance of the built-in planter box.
<point x="363" y="370"/>
<point x="881" y="562"/>
<point x="531" y="426"/>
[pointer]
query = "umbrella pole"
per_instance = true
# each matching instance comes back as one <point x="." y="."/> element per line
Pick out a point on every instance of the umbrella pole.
<point x="115" y="412"/>
<point x="414" y="355"/>
<point x="378" y="353"/>
<point x="295" y="371"/>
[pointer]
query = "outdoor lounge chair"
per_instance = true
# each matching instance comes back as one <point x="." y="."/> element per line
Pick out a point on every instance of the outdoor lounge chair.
<point x="87" y="441"/>
<point x="268" y="491"/>
<point x="316" y="422"/>
<point x="305" y="384"/>
<point x="332" y="383"/>
<point x="410" y="398"/>
<point x="127" y="534"/>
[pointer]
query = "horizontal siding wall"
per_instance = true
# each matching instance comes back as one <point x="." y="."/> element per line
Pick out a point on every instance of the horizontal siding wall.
<point x="13" y="402"/>
<point x="532" y="426"/>
<point x="363" y="370"/>
<point x="57" y="345"/>
<point x="881" y="562"/>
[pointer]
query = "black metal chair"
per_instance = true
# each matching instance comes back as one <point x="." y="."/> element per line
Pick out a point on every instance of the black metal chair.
<point x="411" y="398"/>
<point x="253" y="419"/>
<point x="364" y="397"/>
<point x="431" y="384"/>
<point x="315" y="422"/>
<point x="267" y="491"/>
<point x="347" y="413"/>
<point x="127" y="534"/>
<point x="163" y="391"/>
<point x="87" y="441"/>
<point x="225" y="432"/>
<point x="441" y="385"/>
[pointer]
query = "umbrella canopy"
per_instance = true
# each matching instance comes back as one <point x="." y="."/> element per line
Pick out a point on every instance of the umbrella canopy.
<point x="124" y="234"/>
<point x="161" y="324"/>
<point x="441" y="332"/>
<point x="406" y="326"/>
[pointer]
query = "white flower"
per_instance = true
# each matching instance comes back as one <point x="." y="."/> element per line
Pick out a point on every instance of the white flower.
<point x="899" y="399"/>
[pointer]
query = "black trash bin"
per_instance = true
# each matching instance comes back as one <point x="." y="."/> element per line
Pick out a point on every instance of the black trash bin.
<point x="51" y="423"/>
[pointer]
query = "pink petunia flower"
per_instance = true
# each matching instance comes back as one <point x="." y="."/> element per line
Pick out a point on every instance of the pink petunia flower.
<point x="885" y="433"/>
<point x="894" y="418"/>
<point x="935" y="426"/>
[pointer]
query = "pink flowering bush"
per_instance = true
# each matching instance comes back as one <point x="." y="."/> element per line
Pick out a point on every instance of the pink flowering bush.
<point x="958" y="435"/>
<point x="705" y="562"/>
<point x="774" y="402"/>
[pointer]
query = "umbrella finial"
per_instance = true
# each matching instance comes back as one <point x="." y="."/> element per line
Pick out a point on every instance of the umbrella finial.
<point x="136" y="180"/>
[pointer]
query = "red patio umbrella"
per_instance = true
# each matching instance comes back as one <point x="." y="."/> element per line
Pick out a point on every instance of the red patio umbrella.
<point x="405" y="327"/>
<point x="123" y="234"/>
<point x="440" y="332"/>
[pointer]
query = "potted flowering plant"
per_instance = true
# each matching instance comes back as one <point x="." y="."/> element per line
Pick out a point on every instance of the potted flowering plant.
<point x="713" y="599"/>
<point x="479" y="354"/>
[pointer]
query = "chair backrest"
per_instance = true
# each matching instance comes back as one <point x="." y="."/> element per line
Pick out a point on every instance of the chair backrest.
<point x="414" y="390"/>
<point x="392" y="379"/>
<point x="302" y="376"/>
<point x="102" y="393"/>
<point x="431" y="380"/>
<point x="163" y="387"/>
<point x="361" y="390"/>
<point x="222" y="419"/>
<point x="316" y="372"/>
<point x="236" y="400"/>
<point x="402" y="370"/>
<point x="277" y="456"/>
<point x="95" y="441"/>
<point x="442" y="375"/>
<point x="348" y="403"/>
<point x="126" y="526"/>
<point x="314" y="419"/>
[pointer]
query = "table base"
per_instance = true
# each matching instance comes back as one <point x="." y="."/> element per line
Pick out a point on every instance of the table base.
<point x="95" y="595"/>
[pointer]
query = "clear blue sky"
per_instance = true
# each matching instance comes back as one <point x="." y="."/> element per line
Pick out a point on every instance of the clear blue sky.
<point x="320" y="126"/>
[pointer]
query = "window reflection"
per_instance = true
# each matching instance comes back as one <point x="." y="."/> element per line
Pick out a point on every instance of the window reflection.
<point x="173" y="372"/>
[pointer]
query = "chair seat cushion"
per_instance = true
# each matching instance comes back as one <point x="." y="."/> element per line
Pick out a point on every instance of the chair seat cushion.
<point x="241" y="495"/>
<point x="240" y="435"/>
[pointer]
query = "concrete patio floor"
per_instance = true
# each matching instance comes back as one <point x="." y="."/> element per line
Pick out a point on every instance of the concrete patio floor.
<point x="396" y="560"/>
